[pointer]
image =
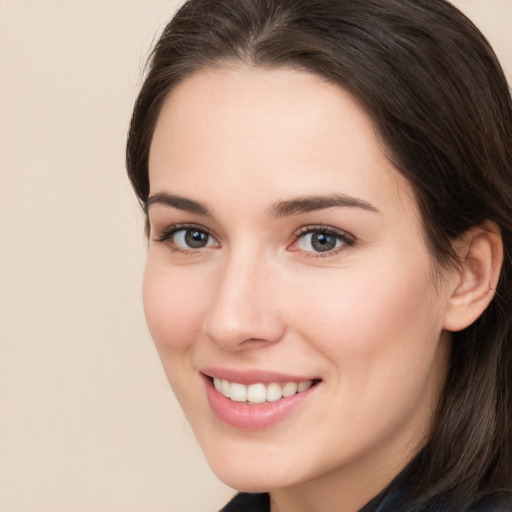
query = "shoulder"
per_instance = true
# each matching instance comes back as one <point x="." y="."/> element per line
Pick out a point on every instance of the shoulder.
<point x="246" y="502"/>
<point x="493" y="502"/>
<point x="398" y="498"/>
<point x="496" y="502"/>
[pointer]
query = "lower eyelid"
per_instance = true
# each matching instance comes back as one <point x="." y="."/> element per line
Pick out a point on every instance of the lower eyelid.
<point x="320" y="255"/>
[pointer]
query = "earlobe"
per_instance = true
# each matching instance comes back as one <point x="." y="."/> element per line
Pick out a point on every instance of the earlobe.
<point x="476" y="277"/>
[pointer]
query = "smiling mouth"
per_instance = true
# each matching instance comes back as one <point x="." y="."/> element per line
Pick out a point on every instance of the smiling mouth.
<point x="260" y="393"/>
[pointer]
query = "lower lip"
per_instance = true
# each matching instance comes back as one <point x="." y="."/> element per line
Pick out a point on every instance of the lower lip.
<point x="257" y="416"/>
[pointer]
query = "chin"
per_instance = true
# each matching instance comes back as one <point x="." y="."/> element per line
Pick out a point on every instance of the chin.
<point x="253" y="467"/>
<point x="246" y="478"/>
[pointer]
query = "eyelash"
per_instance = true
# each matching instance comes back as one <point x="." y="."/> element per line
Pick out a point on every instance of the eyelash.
<point x="344" y="237"/>
<point x="168" y="233"/>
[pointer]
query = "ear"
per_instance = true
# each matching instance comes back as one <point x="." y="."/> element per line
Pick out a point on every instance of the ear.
<point x="474" y="283"/>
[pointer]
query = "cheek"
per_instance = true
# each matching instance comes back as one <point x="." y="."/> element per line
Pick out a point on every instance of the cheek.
<point x="373" y="320"/>
<point x="380" y="333"/>
<point x="173" y="308"/>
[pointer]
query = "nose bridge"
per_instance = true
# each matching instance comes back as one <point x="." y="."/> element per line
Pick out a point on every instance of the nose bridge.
<point x="244" y="307"/>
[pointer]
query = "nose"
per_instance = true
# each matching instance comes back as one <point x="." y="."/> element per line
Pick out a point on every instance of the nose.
<point x="244" y="310"/>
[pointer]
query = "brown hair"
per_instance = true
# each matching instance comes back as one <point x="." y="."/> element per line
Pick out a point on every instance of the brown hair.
<point x="442" y="108"/>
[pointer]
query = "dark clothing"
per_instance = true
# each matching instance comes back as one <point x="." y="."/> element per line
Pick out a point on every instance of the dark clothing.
<point x="245" y="502"/>
<point x="395" y="498"/>
<point x="391" y="502"/>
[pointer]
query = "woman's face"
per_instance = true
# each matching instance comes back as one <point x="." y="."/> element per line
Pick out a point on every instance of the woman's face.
<point x="287" y="262"/>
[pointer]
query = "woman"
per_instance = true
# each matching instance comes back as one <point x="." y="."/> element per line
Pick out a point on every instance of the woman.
<point x="327" y="188"/>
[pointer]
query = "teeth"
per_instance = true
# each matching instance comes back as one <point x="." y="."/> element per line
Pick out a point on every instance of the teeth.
<point x="256" y="393"/>
<point x="259" y="393"/>
<point x="289" y="389"/>
<point x="238" y="392"/>
<point x="274" y="392"/>
<point x="226" y="388"/>
<point x="302" y="386"/>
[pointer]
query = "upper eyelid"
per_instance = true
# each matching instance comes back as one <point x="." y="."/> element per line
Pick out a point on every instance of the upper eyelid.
<point x="169" y="231"/>
<point x="302" y="230"/>
<point x="320" y="227"/>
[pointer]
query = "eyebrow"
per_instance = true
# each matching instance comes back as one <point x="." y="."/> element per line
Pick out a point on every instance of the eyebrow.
<point x="307" y="204"/>
<point x="181" y="203"/>
<point x="281" y="209"/>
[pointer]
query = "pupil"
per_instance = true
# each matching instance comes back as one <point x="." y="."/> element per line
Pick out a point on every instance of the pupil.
<point x="323" y="242"/>
<point x="196" y="239"/>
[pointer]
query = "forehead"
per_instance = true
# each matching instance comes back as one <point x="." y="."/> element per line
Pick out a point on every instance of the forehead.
<point x="283" y="131"/>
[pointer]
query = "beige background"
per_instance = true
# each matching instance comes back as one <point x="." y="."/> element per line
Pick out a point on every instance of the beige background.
<point x="87" y="420"/>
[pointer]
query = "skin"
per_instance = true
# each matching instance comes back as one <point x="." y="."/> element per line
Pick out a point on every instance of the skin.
<point x="366" y="317"/>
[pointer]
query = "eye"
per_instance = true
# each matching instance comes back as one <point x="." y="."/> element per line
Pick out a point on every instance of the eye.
<point x="187" y="238"/>
<point x="321" y="240"/>
<point x="192" y="239"/>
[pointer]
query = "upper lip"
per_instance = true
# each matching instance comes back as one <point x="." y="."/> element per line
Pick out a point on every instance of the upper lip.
<point x="252" y="376"/>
